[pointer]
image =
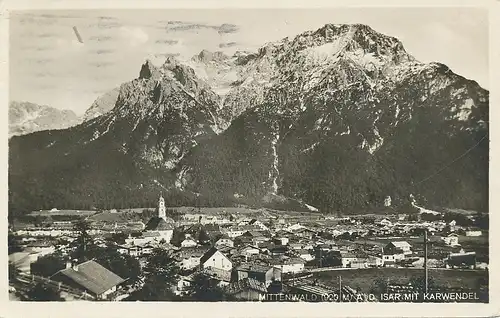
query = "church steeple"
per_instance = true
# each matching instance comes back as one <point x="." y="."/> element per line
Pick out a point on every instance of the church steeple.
<point x="161" y="208"/>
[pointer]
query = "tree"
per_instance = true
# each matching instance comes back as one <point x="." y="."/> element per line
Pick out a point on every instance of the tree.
<point x="418" y="283"/>
<point x="204" y="288"/>
<point x="13" y="272"/>
<point x="84" y="247"/>
<point x="160" y="276"/>
<point x="118" y="238"/>
<point x="13" y="243"/>
<point x="275" y="287"/>
<point x="125" y="266"/>
<point x="41" y="292"/>
<point x="379" y="286"/>
<point x="48" y="265"/>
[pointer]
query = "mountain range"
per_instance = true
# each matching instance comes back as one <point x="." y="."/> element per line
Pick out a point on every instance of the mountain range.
<point x="336" y="118"/>
<point x="25" y="118"/>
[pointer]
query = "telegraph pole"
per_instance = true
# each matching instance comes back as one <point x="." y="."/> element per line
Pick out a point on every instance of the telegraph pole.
<point x="425" y="262"/>
<point x="340" y="288"/>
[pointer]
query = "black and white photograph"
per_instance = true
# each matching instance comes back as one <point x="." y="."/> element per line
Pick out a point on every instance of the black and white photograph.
<point x="282" y="155"/>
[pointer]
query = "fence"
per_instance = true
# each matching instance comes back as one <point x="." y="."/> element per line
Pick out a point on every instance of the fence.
<point x="27" y="278"/>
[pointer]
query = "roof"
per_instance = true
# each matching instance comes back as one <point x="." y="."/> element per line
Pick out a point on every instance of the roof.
<point x="158" y="224"/>
<point x="92" y="276"/>
<point x="257" y="268"/>
<point x="401" y="244"/>
<point x="317" y="290"/>
<point x="150" y="234"/>
<point x="209" y="254"/>
<point x="218" y="274"/>
<point x="245" y="284"/>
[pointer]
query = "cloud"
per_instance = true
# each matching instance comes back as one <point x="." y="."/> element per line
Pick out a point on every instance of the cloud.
<point x="227" y="44"/>
<point x="169" y="42"/>
<point x="135" y="35"/>
<point x="103" y="51"/>
<point x="100" y="38"/>
<point x="189" y="26"/>
<point x="228" y="28"/>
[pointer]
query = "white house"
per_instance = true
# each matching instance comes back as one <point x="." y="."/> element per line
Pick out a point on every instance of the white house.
<point x="451" y="240"/>
<point x="259" y="224"/>
<point x="290" y="265"/>
<point x="249" y="250"/>
<point x="473" y="233"/>
<point x="282" y="240"/>
<point x="224" y="241"/>
<point x="385" y="222"/>
<point x="305" y="255"/>
<point x="188" y="242"/>
<point x="213" y="258"/>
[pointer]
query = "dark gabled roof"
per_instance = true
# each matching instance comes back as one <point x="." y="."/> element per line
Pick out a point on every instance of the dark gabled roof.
<point x="209" y="254"/>
<point x="246" y="284"/>
<point x="158" y="224"/>
<point x="92" y="276"/>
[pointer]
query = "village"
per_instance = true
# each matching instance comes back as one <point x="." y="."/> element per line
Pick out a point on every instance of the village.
<point x="250" y="253"/>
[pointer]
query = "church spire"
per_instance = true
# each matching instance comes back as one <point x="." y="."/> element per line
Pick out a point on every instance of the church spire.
<point x="161" y="208"/>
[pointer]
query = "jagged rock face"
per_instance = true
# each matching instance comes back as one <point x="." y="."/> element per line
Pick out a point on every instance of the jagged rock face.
<point x="102" y="105"/>
<point x="347" y="115"/>
<point x="339" y="118"/>
<point x="160" y="116"/>
<point x="129" y="150"/>
<point x="26" y="118"/>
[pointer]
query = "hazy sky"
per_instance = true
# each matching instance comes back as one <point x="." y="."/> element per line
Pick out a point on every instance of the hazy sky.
<point x="48" y="65"/>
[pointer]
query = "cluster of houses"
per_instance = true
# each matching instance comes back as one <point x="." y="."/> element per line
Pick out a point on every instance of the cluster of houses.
<point x="245" y="255"/>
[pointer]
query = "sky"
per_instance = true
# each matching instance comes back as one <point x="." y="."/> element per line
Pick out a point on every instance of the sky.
<point x="49" y="66"/>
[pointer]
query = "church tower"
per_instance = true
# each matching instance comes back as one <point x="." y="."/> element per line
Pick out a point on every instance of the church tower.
<point x="161" y="208"/>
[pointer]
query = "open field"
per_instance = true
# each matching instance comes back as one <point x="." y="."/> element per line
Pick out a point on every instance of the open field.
<point x="62" y="212"/>
<point x="364" y="279"/>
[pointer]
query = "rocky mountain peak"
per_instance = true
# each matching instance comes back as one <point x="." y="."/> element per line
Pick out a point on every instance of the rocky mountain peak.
<point x="206" y="56"/>
<point x="149" y="70"/>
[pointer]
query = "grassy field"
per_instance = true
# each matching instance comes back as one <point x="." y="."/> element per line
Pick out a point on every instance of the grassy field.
<point x="364" y="279"/>
<point x="63" y="212"/>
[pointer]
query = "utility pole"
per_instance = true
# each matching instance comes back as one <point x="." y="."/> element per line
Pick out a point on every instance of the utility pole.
<point x="340" y="288"/>
<point x="425" y="262"/>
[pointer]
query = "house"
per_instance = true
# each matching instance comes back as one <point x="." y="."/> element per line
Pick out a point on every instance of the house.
<point x="350" y="258"/>
<point x="259" y="224"/>
<point x="289" y="265"/>
<point x="404" y="246"/>
<point x="224" y="241"/>
<point x="247" y="289"/>
<point x="90" y="277"/>
<point x="385" y="222"/>
<point x="213" y="258"/>
<point x="159" y="225"/>
<point x="451" y="239"/>
<point x="473" y="232"/>
<point x="190" y="258"/>
<point x="305" y="255"/>
<point x="279" y="250"/>
<point x="461" y="260"/>
<point x="261" y="273"/>
<point x="223" y="277"/>
<point x="374" y="261"/>
<point x="188" y="242"/>
<point x="281" y="240"/>
<point x="249" y="250"/>
<point x="390" y="257"/>
<point x="305" y="232"/>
